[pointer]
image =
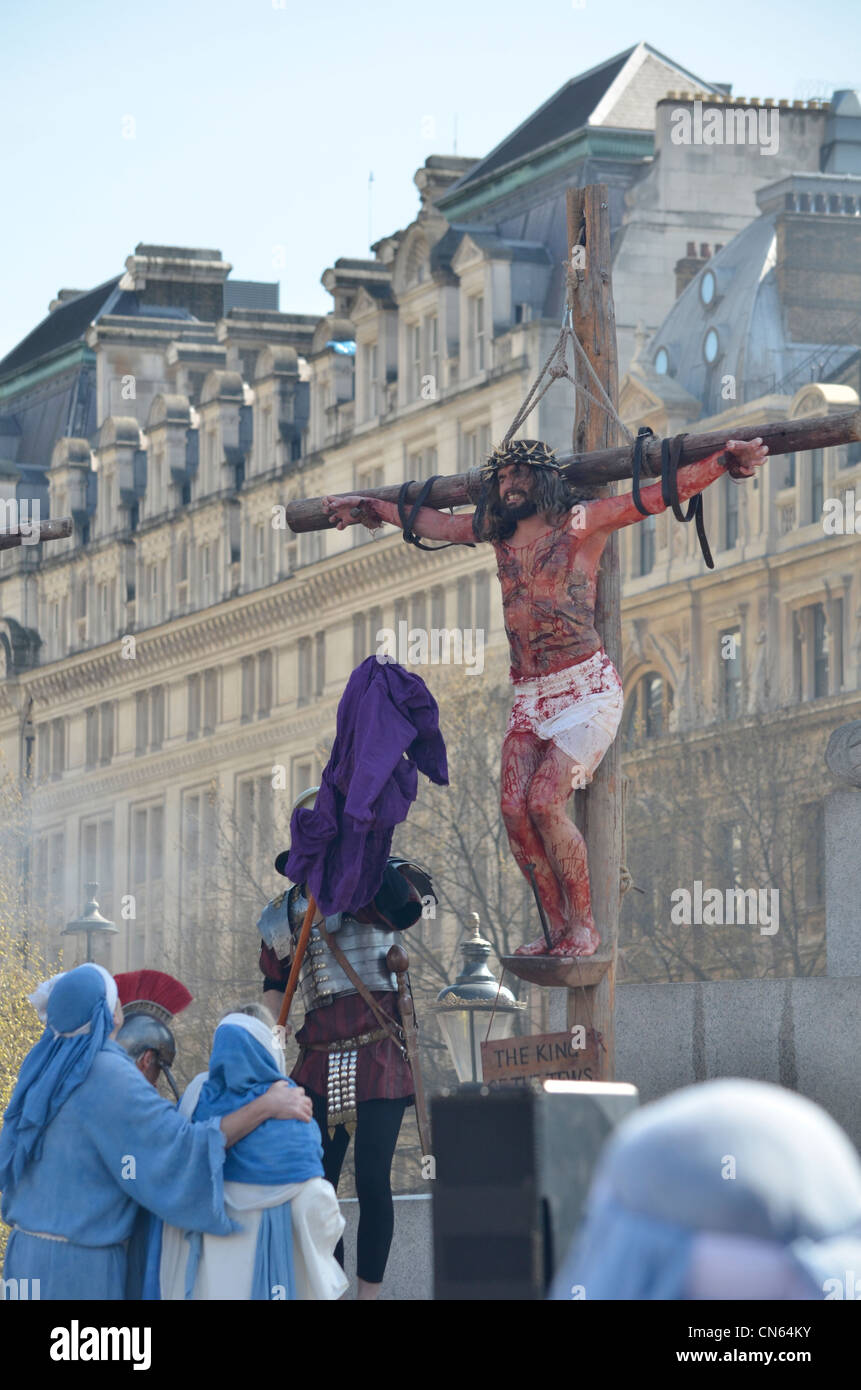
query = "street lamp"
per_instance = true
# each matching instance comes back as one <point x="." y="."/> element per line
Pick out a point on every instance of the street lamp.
<point x="91" y="922"/>
<point x="475" y="1000"/>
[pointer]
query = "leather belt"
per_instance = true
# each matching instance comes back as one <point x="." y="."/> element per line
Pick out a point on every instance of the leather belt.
<point x="347" y="1044"/>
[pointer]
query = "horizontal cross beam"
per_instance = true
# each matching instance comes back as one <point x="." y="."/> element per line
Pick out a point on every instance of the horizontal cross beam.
<point x="47" y="531"/>
<point x="610" y="465"/>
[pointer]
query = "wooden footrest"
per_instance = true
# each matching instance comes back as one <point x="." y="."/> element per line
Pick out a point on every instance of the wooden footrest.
<point x="558" y="972"/>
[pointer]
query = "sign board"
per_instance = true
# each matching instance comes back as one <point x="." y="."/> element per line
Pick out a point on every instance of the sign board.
<point x="572" y="1056"/>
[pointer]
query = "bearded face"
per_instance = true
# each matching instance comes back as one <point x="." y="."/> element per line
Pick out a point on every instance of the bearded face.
<point x="516" y="485"/>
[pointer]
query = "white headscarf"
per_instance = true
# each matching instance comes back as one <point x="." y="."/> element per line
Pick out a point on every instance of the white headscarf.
<point x="267" y="1037"/>
<point x="41" y="994"/>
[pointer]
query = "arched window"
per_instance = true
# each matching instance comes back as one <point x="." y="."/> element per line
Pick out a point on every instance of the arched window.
<point x="648" y="712"/>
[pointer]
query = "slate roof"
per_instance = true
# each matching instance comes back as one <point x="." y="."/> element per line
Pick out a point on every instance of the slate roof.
<point x="67" y="324"/>
<point x="567" y="110"/>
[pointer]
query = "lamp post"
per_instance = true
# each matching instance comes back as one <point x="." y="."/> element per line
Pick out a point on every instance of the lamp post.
<point x="474" y="1001"/>
<point x="91" y="922"/>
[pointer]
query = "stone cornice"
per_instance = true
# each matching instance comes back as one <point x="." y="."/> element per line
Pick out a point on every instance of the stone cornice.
<point x="185" y="760"/>
<point x="293" y="606"/>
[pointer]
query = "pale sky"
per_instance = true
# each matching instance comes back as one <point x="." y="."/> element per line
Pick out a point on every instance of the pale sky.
<point x="257" y="123"/>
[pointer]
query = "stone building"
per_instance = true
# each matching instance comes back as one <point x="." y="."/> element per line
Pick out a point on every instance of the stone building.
<point x="172" y="670"/>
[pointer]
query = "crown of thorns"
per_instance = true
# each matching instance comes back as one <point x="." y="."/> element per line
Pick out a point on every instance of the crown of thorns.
<point x="530" y="451"/>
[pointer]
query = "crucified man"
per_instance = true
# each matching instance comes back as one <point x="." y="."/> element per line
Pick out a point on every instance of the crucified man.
<point x="567" y="693"/>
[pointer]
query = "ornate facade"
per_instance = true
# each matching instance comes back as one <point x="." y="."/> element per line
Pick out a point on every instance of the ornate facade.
<point x="179" y="658"/>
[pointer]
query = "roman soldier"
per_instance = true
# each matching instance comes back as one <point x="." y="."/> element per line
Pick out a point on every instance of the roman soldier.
<point x="150" y="1001"/>
<point x="353" y="1059"/>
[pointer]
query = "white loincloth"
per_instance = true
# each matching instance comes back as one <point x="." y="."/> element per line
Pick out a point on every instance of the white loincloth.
<point x="579" y="709"/>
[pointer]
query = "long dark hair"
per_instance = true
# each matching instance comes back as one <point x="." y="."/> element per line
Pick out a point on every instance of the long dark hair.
<point x="551" y="492"/>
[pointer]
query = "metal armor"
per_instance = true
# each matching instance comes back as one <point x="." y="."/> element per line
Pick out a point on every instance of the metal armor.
<point x="321" y="979"/>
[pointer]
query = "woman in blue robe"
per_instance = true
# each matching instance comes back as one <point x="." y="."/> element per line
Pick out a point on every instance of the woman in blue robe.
<point x="87" y="1141"/>
<point x="289" y="1221"/>
<point x="726" y="1190"/>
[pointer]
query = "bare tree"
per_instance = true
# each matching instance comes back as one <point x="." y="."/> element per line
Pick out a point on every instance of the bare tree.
<point x="737" y="807"/>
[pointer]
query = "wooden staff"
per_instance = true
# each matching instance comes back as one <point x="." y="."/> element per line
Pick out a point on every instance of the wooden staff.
<point x="296" y="966"/>
<point x="48" y="531"/>
<point x="398" y="962"/>
<point x="601" y="466"/>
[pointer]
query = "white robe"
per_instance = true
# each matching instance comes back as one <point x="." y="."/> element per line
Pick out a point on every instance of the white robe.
<point x="226" y="1267"/>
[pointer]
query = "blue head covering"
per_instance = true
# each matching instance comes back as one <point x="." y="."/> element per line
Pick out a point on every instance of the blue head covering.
<point x="78" y="1013"/>
<point x="243" y="1065"/>
<point x="724" y="1166"/>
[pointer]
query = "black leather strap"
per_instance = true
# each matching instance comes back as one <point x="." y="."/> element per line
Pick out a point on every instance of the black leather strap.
<point x="636" y="465"/>
<point x="671" y="450"/>
<point x="408" y="521"/>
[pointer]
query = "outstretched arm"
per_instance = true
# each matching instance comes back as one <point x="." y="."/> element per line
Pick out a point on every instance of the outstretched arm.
<point x="612" y="513"/>
<point x="372" y="512"/>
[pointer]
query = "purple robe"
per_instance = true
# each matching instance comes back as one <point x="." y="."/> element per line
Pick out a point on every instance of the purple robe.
<point x="387" y="732"/>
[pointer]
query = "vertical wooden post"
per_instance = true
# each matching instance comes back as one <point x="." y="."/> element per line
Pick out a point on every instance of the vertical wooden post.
<point x="590" y="296"/>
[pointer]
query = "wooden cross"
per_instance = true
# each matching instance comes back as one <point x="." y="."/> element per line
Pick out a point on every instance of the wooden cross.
<point x="599" y="458"/>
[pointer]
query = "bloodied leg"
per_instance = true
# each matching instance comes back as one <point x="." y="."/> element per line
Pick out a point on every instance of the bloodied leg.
<point x="537" y="781"/>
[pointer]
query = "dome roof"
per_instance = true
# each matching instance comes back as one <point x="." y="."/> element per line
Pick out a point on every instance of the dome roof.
<point x="729" y="321"/>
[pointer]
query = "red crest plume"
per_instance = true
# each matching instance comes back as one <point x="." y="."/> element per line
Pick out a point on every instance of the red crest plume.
<point x="152" y="992"/>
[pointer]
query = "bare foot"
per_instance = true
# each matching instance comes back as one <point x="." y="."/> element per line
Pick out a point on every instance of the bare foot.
<point x="533" y="948"/>
<point x="580" y="941"/>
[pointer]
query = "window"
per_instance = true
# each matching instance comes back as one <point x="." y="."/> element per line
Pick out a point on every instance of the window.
<point x="141" y="722"/>
<point x="644" y="545"/>
<point x="476" y="446"/>
<point x="730" y="855"/>
<point x="432" y="353"/>
<point x="319" y="663"/>
<point x="146" y="929"/>
<point x="149" y="720"/>
<point x="304" y="664"/>
<point x="264" y="683"/>
<point x="210" y="701"/>
<point x="372" y="381"/>
<point x="259" y="571"/>
<point x="92" y="738"/>
<point x="255" y="812"/>
<point x="197" y="847"/>
<point x="415" y="341"/>
<point x="193" y="706"/>
<point x="106" y="739"/>
<point x="58" y="748"/>
<point x="853" y="454"/>
<point x="648" y="712"/>
<point x="816" y="484"/>
<point x="729" y="657"/>
<point x="477" y="333"/>
<point x="206" y="575"/>
<point x="303" y="777"/>
<point x="247" y="669"/>
<point x="156" y="717"/>
<point x="104" y="612"/>
<point x="97" y="861"/>
<point x="820" y="652"/>
<point x="50" y="865"/>
<point x="788" y="465"/>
